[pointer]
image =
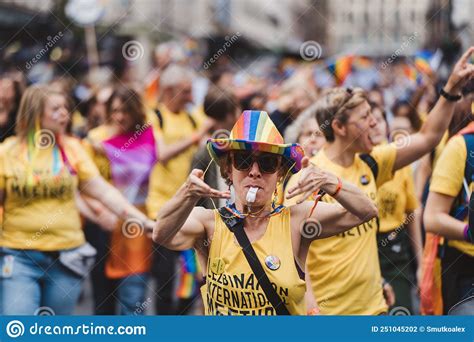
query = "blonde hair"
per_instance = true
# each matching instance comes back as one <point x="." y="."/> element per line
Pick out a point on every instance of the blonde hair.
<point x="32" y="108"/>
<point x="294" y="130"/>
<point x="334" y="105"/>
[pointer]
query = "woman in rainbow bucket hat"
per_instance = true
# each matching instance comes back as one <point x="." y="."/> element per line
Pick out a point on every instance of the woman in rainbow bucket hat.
<point x="252" y="251"/>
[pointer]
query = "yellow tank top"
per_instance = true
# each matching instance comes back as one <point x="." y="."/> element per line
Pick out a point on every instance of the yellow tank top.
<point x="231" y="287"/>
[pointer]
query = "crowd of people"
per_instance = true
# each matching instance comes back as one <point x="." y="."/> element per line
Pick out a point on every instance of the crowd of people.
<point x="230" y="193"/>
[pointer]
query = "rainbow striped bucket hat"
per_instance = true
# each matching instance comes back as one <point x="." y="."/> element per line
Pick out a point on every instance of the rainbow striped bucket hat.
<point x="255" y="131"/>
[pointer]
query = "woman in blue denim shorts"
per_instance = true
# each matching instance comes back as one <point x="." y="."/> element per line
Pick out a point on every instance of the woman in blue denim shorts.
<point x="43" y="253"/>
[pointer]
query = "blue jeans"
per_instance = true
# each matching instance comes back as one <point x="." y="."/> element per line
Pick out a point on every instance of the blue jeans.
<point x="131" y="294"/>
<point x="32" y="281"/>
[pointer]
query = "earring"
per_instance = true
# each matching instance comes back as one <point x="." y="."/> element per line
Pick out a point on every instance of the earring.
<point x="275" y="196"/>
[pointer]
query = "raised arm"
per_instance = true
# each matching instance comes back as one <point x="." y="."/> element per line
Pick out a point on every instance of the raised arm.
<point x="352" y="209"/>
<point x="439" y="118"/>
<point x="335" y="219"/>
<point x="179" y="223"/>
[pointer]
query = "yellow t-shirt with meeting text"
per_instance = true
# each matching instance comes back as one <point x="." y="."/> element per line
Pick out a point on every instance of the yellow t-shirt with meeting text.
<point x="344" y="269"/>
<point x="231" y="286"/>
<point x="395" y="198"/>
<point x="448" y="176"/>
<point x="41" y="213"/>
<point x="166" y="178"/>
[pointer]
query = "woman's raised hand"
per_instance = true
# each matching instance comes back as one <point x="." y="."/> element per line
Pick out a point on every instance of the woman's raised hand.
<point x="312" y="178"/>
<point x="462" y="72"/>
<point x="197" y="188"/>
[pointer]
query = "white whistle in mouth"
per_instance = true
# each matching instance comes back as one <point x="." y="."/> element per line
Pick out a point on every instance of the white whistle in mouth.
<point x="252" y="195"/>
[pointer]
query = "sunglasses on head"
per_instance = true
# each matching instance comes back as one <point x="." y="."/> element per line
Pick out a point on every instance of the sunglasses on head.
<point x="267" y="162"/>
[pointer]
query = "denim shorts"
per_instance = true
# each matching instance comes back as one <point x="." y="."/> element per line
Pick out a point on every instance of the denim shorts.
<point x="36" y="283"/>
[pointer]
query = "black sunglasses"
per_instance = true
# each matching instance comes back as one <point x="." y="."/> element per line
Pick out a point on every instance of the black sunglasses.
<point x="267" y="162"/>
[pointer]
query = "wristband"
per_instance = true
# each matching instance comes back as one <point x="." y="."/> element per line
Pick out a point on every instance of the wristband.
<point x="338" y="188"/>
<point x="313" y="312"/>
<point x="449" y="97"/>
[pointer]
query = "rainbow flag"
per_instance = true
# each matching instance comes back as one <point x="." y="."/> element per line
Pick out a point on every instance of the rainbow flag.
<point x="132" y="157"/>
<point x="422" y="62"/>
<point x="341" y="68"/>
<point x="189" y="271"/>
<point x="412" y="73"/>
<point x="431" y="299"/>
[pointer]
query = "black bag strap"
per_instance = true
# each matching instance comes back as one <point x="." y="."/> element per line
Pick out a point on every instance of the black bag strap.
<point x="160" y="118"/>
<point x="374" y="167"/>
<point x="236" y="226"/>
<point x="191" y="118"/>
<point x="372" y="163"/>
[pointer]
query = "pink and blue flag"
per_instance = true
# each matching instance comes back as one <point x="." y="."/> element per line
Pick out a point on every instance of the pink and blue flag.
<point x="132" y="157"/>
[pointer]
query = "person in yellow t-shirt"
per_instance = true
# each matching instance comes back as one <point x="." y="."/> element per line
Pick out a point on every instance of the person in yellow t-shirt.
<point x="127" y="255"/>
<point x="399" y="238"/>
<point x="181" y="133"/>
<point x="344" y="269"/>
<point x="446" y="215"/>
<point x="431" y="298"/>
<point x="254" y="159"/>
<point x="43" y="254"/>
